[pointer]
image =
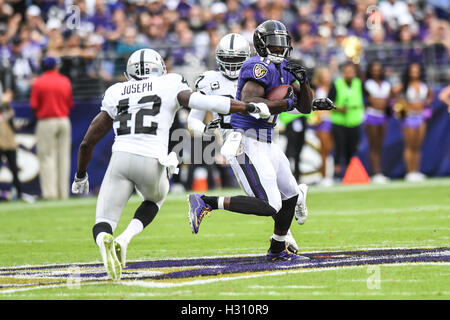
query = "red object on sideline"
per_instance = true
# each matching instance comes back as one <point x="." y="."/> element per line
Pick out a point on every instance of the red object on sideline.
<point x="51" y="96"/>
<point x="356" y="173"/>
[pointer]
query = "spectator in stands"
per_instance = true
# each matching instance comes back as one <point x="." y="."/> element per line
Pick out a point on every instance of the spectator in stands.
<point x="30" y="49"/>
<point x="347" y="94"/>
<point x="418" y="96"/>
<point x="73" y="60"/>
<point x="22" y="68"/>
<point x="377" y="92"/>
<point x="5" y="50"/>
<point x="51" y="101"/>
<point x="129" y="43"/>
<point x="408" y="51"/>
<point x="393" y="11"/>
<point x="183" y="36"/>
<point x="34" y="20"/>
<point x="320" y="122"/>
<point x="9" y="20"/>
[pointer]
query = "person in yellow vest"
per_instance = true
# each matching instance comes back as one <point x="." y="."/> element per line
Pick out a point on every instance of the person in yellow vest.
<point x="347" y="95"/>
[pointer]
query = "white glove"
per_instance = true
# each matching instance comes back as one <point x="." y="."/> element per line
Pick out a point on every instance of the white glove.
<point x="171" y="163"/>
<point x="212" y="126"/>
<point x="80" y="185"/>
<point x="261" y="112"/>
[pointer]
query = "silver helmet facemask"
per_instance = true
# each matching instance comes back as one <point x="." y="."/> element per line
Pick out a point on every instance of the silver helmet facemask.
<point x="231" y="53"/>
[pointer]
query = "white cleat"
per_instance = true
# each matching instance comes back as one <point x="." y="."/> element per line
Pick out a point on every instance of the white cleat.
<point x="301" y="211"/>
<point x="121" y="251"/>
<point x="291" y="244"/>
<point x="110" y="260"/>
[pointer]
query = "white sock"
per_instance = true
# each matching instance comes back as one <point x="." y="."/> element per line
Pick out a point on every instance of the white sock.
<point x="135" y="227"/>
<point x="100" y="237"/>
<point x="279" y="238"/>
<point x="220" y="201"/>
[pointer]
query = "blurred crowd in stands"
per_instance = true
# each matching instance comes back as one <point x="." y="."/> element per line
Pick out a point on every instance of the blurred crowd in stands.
<point x="92" y="38"/>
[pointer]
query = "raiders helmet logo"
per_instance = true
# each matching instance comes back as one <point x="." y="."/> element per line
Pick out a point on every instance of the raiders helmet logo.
<point x="259" y="71"/>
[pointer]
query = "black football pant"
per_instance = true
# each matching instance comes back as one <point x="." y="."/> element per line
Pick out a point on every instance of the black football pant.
<point x="346" y="140"/>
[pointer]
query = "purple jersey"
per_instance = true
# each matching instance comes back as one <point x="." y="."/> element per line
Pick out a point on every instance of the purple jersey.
<point x="268" y="75"/>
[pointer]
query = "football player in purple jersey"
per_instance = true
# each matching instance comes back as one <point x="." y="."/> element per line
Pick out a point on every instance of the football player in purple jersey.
<point x="260" y="166"/>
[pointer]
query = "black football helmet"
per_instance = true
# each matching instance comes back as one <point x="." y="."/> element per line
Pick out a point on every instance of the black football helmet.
<point x="272" y="33"/>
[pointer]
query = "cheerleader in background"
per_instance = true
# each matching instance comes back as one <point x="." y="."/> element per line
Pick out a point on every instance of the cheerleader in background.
<point x="377" y="91"/>
<point x="418" y="97"/>
<point x="320" y="122"/>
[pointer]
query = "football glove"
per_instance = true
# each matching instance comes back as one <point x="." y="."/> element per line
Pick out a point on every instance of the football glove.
<point x="80" y="185"/>
<point x="211" y="126"/>
<point x="258" y="110"/>
<point x="291" y="99"/>
<point x="323" y="104"/>
<point x="297" y="70"/>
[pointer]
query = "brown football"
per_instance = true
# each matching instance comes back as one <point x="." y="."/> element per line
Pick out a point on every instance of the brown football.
<point x="279" y="93"/>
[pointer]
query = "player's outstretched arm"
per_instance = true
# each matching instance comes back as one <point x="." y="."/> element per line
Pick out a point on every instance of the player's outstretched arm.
<point x="252" y="91"/>
<point x="98" y="128"/>
<point x="220" y="104"/>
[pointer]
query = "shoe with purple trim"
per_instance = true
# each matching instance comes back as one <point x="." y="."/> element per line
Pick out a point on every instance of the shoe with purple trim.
<point x="197" y="211"/>
<point x="284" y="255"/>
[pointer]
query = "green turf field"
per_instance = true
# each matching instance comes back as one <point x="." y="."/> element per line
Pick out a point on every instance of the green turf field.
<point x="352" y="218"/>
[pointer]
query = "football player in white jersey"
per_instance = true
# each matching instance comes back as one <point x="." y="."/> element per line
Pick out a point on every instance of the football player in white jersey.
<point x="231" y="53"/>
<point x="141" y="111"/>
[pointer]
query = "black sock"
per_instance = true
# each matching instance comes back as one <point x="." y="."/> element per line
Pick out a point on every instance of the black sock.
<point x="251" y="205"/>
<point x="211" y="201"/>
<point x="284" y="217"/>
<point x="277" y="246"/>
<point x="101" y="227"/>
<point x="146" y="212"/>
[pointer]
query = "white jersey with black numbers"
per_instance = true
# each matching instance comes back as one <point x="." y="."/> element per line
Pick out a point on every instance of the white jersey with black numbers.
<point x="215" y="83"/>
<point x="143" y="112"/>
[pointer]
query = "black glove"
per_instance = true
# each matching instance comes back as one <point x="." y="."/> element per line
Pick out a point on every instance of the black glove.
<point x="211" y="126"/>
<point x="297" y="70"/>
<point x="291" y="98"/>
<point x="323" y="104"/>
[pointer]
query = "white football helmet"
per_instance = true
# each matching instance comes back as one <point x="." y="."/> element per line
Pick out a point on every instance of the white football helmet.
<point x="231" y="53"/>
<point x="144" y="63"/>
